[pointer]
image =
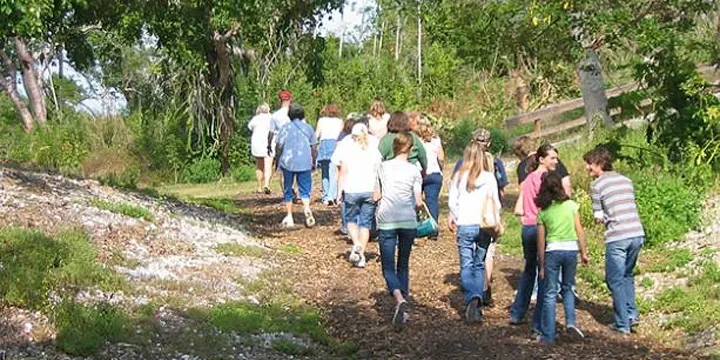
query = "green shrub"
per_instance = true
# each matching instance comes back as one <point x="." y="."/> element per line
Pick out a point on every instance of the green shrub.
<point x="36" y="265"/>
<point x="668" y="207"/>
<point x="458" y="136"/>
<point x="202" y="171"/>
<point x="124" y="180"/>
<point x="243" y="173"/>
<point x="83" y="329"/>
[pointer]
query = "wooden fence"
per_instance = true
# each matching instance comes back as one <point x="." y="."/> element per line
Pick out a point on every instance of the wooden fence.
<point x="544" y="115"/>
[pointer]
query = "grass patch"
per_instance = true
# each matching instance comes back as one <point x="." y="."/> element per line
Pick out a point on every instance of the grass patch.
<point x="290" y="347"/>
<point x="246" y="318"/>
<point x="667" y="260"/>
<point x="647" y="282"/>
<point x="232" y="249"/>
<point x="36" y="265"/>
<point x="126" y="209"/>
<point x="83" y="329"/>
<point x="290" y="249"/>
<point x="225" y="205"/>
<point x="694" y="307"/>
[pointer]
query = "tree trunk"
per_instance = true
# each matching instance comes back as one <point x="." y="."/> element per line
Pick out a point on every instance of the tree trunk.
<point x="31" y="81"/>
<point x="419" y="45"/>
<point x="593" y="89"/>
<point x="8" y="80"/>
<point x="225" y="91"/>
<point x="397" y="39"/>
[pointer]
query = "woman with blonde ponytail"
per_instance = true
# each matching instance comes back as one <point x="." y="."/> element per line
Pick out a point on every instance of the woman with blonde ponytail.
<point x="358" y="161"/>
<point x="471" y="188"/>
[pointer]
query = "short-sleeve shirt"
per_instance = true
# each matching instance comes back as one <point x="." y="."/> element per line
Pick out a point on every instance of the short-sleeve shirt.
<point x="559" y="222"/>
<point x="361" y="165"/>
<point x="297" y="139"/>
<point x="399" y="181"/>
<point x="522" y="170"/>
<point x="500" y="174"/>
<point x="279" y="119"/>
<point x="432" y="152"/>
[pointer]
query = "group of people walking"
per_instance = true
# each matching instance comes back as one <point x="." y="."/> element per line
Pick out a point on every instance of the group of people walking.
<point x="382" y="168"/>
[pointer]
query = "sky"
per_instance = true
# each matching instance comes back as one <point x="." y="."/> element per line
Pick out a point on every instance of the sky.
<point x="105" y="101"/>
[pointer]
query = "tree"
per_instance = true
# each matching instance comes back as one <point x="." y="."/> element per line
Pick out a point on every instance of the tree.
<point x="30" y="33"/>
<point x="210" y="37"/>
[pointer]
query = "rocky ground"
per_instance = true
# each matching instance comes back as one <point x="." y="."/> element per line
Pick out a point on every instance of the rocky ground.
<point x="174" y="256"/>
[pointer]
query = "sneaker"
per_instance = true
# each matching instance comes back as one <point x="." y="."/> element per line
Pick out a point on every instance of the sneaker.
<point x="361" y="262"/>
<point x="575" y="332"/>
<point x="309" y="218"/>
<point x="473" y="311"/>
<point x="399" y="317"/>
<point x="621" y="331"/>
<point x="355" y="254"/>
<point x="515" y="321"/>
<point x="267" y="190"/>
<point x="536" y="333"/>
<point x="634" y="323"/>
<point x="288" y="221"/>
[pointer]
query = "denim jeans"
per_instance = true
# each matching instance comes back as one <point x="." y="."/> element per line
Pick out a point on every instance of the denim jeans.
<point x="620" y="259"/>
<point x="528" y="278"/>
<point x="304" y="180"/>
<point x="472" y="245"/>
<point x="396" y="272"/>
<point x="431" y="188"/>
<point x="556" y="263"/>
<point x="329" y="180"/>
<point x="359" y="209"/>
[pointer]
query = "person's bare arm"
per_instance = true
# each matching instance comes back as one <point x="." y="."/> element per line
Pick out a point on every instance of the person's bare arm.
<point x="567" y="185"/>
<point x="441" y="157"/>
<point x="584" y="256"/>
<point x="519" y="206"/>
<point x="541" y="250"/>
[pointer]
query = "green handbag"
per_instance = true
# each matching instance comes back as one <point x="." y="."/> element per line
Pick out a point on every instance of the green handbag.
<point x="426" y="223"/>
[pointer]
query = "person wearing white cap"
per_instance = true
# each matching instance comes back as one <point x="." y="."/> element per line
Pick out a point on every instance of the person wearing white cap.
<point x="358" y="161"/>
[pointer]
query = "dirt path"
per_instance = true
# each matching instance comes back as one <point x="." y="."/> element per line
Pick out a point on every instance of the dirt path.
<point x="357" y="307"/>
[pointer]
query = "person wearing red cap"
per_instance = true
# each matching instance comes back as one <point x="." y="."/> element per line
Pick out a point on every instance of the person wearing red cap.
<point x="277" y="120"/>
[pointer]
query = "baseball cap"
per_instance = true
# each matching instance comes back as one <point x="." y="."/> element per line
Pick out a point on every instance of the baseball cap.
<point x="285" y="95"/>
<point x="481" y="135"/>
<point x="359" y="129"/>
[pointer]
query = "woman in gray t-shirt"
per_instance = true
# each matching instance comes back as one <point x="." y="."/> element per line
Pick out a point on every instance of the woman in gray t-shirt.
<point x="399" y="191"/>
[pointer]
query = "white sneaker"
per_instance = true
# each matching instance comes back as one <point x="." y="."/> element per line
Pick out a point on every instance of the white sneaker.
<point x="288" y="221"/>
<point x="309" y="218"/>
<point x="575" y="332"/>
<point x="361" y="262"/>
<point x="355" y="254"/>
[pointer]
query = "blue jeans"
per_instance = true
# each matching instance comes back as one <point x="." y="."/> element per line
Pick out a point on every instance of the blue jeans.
<point x="620" y="259"/>
<point x="329" y="180"/>
<point x="556" y="263"/>
<point x="431" y="188"/>
<point x="359" y="209"/>
<point x="396" y="273"/>
<point x="343" y="227"/>
<point x="472" y="244"/>
<point x="304" y="180"/>
<point x="527" y="279"/>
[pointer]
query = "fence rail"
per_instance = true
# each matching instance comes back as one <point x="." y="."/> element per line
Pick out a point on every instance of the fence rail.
<point x="547" y="113"/>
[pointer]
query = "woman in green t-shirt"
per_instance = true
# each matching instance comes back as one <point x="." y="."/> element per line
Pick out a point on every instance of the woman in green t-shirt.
<point x="560" y="236"/>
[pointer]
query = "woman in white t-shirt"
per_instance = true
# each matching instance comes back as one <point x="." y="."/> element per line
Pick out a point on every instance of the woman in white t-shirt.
<point x="328" y="129"/>
<point x="378" y="120"/>
<point x="359" y="162"/>
<point x="259" y="125"/>
<point x="432" y="183"/>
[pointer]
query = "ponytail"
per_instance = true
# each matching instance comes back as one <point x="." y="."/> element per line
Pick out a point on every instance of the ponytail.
<point x="362" y="140"/>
